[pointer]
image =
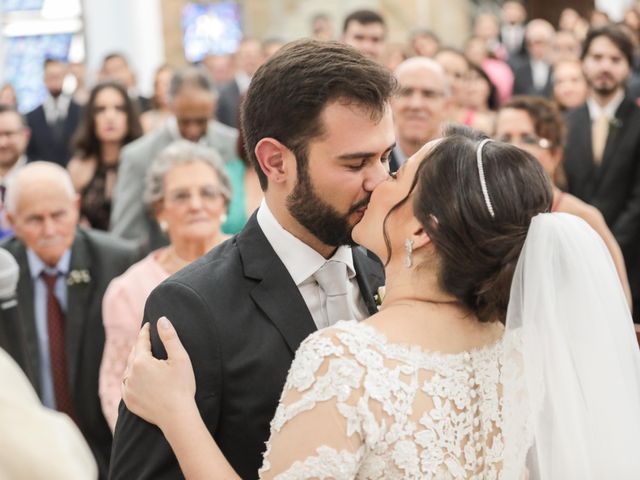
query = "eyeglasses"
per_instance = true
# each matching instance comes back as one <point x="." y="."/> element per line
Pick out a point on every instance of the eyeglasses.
<point x="183" y="196"/>
<point x="527" y="139"/>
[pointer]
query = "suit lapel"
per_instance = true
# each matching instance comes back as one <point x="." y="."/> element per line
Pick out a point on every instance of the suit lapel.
<point x="370" y="277"/>
<point x="274" y="293"/>
<point x="78" y="299"/>
<point x="27" y="314"/>
<point x="616" y="133"/>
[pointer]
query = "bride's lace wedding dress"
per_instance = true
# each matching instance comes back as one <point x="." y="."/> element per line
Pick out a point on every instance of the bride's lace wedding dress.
<point x="358" y="406"/>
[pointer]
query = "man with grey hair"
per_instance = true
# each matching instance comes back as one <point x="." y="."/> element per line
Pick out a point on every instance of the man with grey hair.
<point x="64" y="272"/>
<point x="420" y="107"/>
<point x="192" y="103"/>
<point x="533" y="75"/>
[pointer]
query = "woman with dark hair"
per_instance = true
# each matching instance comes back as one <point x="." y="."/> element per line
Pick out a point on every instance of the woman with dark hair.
<point x="536" y="125"/>
<point x="110" y="122"/>
<point x="434" y="385"/>
<point x="481" y="101"/>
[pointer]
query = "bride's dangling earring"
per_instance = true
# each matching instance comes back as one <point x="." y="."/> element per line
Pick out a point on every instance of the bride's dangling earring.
<point x="408" y="248"/>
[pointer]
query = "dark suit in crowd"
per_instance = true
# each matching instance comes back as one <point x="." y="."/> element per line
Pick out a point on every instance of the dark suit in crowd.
<point x="613" y="186"/>
<point x="523" y="80"/>
<point x="228" y="109"/>
<point x="52" y="142"/>
<point x="103" y="258"/>
<point x="241" y="317"/>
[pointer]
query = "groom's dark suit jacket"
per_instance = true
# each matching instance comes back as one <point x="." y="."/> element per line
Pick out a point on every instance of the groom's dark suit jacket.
<point x="241" y="318"/>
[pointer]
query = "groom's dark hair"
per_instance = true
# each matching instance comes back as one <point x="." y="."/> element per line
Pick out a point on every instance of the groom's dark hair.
<point x="288" y="93"/>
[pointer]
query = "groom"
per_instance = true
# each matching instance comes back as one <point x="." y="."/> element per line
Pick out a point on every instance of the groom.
<point x="318" y="127"/>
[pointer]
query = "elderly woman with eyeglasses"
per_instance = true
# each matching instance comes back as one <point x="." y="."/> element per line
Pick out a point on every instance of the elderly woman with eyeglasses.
<point x="536" y="125"/>
<point x="188" y="192"/>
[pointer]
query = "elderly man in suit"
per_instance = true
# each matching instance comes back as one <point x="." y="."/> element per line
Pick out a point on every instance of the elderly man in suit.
<point x="319" y="130"/>
<point x="64" y="272"/>
<point x="192" y="101"/>
<point x="54" y="122"/>
<point x="602" y="155"/>
<point x="532" y="73"/>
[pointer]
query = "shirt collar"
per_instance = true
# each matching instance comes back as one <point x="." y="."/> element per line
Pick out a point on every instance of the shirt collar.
<point x="37" y="266"/>
<point x="300" y="260"/>
<point x="242" y="80"/>
<point x="609" y="109"/>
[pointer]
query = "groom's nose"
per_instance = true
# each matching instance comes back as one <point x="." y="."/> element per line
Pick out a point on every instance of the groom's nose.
<point x="376" y="174"/>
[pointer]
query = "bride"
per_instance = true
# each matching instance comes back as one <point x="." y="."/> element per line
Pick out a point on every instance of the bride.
<point x="435" y="385"/>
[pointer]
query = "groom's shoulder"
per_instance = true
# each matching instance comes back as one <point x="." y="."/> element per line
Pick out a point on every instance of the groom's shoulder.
<point x="217" y="269"/>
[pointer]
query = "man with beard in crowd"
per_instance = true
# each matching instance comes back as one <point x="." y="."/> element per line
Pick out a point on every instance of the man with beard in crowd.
<point x="602" y="156"/>
<point x="319" y="130"/>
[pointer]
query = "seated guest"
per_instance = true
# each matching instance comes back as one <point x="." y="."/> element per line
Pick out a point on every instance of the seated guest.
<point x="36" y="442"/>
<point x="14" y="137"/>
<point x="160" y="111"/>
<point x="192" y="104"/>
<point x="54" y="122"/>
<point x="570" y="87"/>
<point x="536" y="125"/>
<point x="64" y="272"/>
<point x="110" y="122"/>
<point x="188" y="192"/>
<point x="247" y="193"/>
<point x="8" y="95"/>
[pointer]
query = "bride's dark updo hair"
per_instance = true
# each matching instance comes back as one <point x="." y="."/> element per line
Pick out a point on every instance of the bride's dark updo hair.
<point x="477" y="253"/>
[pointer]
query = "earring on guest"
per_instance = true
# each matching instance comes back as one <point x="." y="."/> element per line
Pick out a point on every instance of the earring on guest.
<point x="223" y="218"/>
<point x="164" y="226"/>
<point x="408" y="248"/>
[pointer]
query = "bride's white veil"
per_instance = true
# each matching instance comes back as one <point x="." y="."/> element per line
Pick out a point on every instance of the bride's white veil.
<point x="571" y="372"/>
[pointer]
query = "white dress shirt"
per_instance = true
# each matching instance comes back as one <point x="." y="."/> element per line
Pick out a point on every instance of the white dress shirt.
<point x="609" y="110"/>
<point x="302" y="261"/>
<point x="56" y="108"/>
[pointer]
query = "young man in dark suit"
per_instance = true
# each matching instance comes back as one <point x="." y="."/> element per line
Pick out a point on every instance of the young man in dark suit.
<point x="64" y="272"/>
<point x="602" y="155"/>
<point x="319" y="130"/>
<point x="54" y="122"/>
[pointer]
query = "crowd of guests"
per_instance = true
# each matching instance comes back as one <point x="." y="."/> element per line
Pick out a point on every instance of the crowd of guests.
<point x="160" y="181"/>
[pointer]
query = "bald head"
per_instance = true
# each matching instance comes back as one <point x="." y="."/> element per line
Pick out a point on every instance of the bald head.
<point x="43" y="210"/>
<point x="539" y="36"/>
<point x="34" y="177"/>
<point x="425" y="65"/>
<point x="421" y="106"/>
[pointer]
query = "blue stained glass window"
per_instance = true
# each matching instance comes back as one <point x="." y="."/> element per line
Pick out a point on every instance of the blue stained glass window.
<point x="211" y="29"/>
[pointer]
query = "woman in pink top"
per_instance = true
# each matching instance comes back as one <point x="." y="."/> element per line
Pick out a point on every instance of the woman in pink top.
<point x="188" y="192"/>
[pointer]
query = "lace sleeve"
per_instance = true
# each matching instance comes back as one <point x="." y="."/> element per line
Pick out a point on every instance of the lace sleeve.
<point x="316" y="431"/>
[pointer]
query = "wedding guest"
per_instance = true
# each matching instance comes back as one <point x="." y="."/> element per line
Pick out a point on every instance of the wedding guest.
<point x="160" y="111"/>
<point x="481" y="101"/>
<point x="188" y="192"/>
<point x="64" y="272"/>
<point x="37" y="442"/>
<point x="570" y="89"/>
<point x="537" y="126"/>
<point x="433" y="384"/>
<point x="8" y="95"/>
<point x="110" y="122"/>
<point x="54" y="122"/>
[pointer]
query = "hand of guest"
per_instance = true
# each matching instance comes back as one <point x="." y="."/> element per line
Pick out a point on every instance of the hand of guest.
<point x="159" y="391"/>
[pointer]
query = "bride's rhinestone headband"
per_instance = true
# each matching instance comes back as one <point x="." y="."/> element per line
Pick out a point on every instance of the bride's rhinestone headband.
<point x="483" y="181"/>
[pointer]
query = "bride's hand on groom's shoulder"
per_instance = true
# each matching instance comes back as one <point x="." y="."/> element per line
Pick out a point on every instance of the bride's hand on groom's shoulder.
<point x="159" y="391"/>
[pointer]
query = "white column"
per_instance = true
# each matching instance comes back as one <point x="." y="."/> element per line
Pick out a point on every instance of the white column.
<point x="132" y="27"/>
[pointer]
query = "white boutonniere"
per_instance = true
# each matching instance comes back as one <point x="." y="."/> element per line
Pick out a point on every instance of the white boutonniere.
<point x="379" y="296"/>
<point x="78" y="277"/>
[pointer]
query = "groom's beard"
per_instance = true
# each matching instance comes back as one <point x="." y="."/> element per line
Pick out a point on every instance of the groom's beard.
<point x="317" y="216"/>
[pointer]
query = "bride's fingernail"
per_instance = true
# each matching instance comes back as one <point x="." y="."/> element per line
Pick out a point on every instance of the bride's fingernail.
<point x="164" y="323"/>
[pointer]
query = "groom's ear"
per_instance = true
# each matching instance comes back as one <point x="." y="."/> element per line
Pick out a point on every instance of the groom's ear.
<point x="273" y="159"/>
